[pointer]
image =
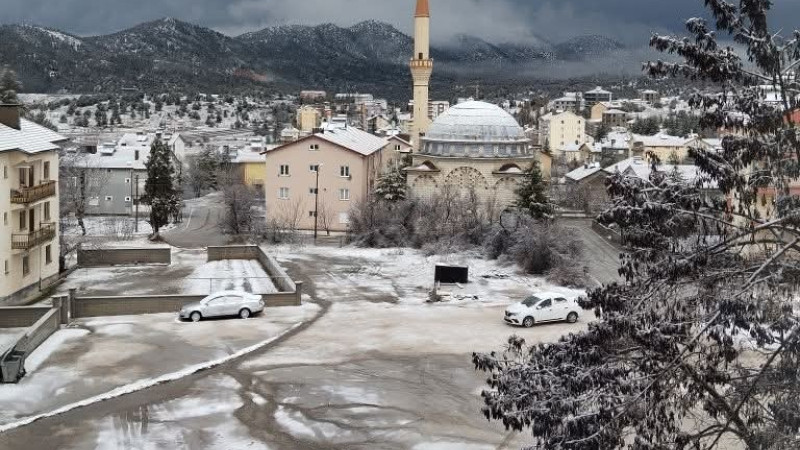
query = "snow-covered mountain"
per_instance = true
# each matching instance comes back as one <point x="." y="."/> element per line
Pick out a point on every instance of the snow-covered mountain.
<point x="171" y="54"/>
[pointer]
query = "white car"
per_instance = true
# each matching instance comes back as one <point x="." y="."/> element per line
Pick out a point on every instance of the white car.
<point x="543" y="307"/>
<point x="223" y="304"/>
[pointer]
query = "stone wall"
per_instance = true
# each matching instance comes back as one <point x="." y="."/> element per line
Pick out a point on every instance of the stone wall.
<point x="22" y="316"/>
<point x="124" y="256"/>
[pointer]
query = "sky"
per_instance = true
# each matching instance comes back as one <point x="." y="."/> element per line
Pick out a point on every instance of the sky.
<point x="629" y="21"/>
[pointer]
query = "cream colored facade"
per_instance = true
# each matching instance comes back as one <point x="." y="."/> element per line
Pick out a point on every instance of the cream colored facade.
<point x="598" y="110"/>
<point x="291" y="181"/>
<point x="29" y="246"/>
<point x="562" y="129"/>
<point x="663" y="146"/>
<point x="308" y="118"/>
<point x="395" y="149"/>
<point x="421" y="70"/>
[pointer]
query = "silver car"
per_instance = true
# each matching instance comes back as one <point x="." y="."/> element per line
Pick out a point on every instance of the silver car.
<point x="223" y="304"/>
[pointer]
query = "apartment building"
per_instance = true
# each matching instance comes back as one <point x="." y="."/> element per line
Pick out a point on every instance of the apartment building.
<point x="321" y="176"/>
<point x="561" y="130"/>
<point x="29" y="246"/>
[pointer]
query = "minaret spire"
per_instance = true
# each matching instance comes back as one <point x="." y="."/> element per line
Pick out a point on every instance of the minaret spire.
<point x="421" y="70"/>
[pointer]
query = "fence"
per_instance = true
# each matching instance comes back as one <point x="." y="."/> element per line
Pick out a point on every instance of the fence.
<point x="124" y="256"/>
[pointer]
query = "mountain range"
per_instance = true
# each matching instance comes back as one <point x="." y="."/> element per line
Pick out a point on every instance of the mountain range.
<point x="171" y="54"/>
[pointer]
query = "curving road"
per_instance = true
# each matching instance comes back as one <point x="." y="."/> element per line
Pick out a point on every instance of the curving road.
<point x="201" y="224"/>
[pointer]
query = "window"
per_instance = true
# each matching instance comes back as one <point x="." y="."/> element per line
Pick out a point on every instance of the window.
<point x="283" y="193"/>
<point x="313" y="191"/>
<point x="94" y="201"/>
<point x="23" y="224"/>
<point x="5" y="218"/>
<point x="313" y="168"/>
<point x="46" y="171"/>
<point x="344" y="194"/>
<point x="312" y="214"/>
<point x="48" y="255"/>
<point x="5" y="172"/>
<point x="6" y="267"/>
<point x="313" y="147"/>
<point x="47" y="211"/>
<point x="26" y="266"/>
<point x="284" y="170"/>
<point x="344" y="171"/>
<point x="127" y="199"/>
<point x="344" y="218"/>
<point x="397" y="147"/>
<point x="109" y="198"/>
<point x="545" y="304"/>
<point x="127" y="181"/>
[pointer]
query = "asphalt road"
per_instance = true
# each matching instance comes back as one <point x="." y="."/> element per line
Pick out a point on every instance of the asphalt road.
<point x="201" y="224"/>
<point x="601" y="257"/>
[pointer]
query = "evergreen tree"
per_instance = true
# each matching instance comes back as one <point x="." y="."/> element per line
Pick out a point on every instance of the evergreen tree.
<point x="532" y="194"/>
<point x="392" y="186"/>
<point x="160" y="190"/>
<point x="9" y="86"/>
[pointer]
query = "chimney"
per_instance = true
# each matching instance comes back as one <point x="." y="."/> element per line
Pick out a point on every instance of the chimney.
<point x="9" y="115"/>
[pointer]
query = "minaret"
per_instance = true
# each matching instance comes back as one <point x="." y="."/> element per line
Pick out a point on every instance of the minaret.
<point x="421" y="69"/>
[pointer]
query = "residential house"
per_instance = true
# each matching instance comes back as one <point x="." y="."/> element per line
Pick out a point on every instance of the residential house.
<point x="571" y="101"/>
<point x="650" y="96"/>
<point x="664" y="146"/>
<point x="308" y="118"/>
<point x="337" y="166"/>
<point x="615" y="118"/>
<point x="29" y="248"/>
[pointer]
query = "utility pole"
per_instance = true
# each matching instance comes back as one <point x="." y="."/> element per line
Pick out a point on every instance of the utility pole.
<point x="316" y="205"/>
<point x="136" y="206"/>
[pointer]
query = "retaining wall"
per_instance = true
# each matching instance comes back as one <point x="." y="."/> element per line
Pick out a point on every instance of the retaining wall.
<point x="129" y="306"/>
<point x="282" y="281"/>
<point x="21" y="316"/>
<point x="124" y="256"/>
<point x="40" y="331"/>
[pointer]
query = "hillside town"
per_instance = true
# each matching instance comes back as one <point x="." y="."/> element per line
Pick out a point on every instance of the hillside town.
<point x="613" y="266"/>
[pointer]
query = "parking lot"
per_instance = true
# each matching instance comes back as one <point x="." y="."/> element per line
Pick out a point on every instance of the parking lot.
<point x="377" y="368"/>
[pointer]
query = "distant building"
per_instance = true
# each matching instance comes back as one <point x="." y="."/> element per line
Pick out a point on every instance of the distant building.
<point x="615" y="118"/>
<point x="662" y="145"/>
<point x="561" y="129"/>
<point x="571" y="101"/>
<point x="348" y="162"/>
<point x="596" y="96"/>
<point x="289" y="134"/>
<point x="29" y="249"/>
<point x="650" y="96"/>
<point x="308" y="118"/>
<point x="313" y="95"/>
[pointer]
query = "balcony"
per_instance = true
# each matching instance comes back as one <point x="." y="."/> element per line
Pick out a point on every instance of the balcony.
<point x="26" y="195"/>
<point x="46" y="233"/>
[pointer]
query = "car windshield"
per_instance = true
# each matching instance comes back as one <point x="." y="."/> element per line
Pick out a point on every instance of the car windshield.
<point x="531" y="301"/>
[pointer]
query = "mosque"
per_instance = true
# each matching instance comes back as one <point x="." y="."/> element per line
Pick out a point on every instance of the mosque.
<point x="472" y="146"/>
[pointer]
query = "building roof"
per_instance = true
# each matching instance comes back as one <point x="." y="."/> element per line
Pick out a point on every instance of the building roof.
<point x="346" y="137"/>
<point x="598" y="90"/>
<point x="615" y="111"/>
<point x="583" y="172"/>
<point x="642" y="169"/>
<point x="660" y="140"/>
<point x="31" y="138"/>
<point x="476" y="122"/>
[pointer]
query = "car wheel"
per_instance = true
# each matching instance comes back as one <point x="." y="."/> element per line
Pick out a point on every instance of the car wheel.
<point x="244" y="314"/>
<point x="572" y="317"/>
<point x="528" y="322"/>
<point x="196" y="316"/>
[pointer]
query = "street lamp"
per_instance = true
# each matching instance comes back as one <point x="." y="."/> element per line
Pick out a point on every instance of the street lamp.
<point x="316" y="203"/>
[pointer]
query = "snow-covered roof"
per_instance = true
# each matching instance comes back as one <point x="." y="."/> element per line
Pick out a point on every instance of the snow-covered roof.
<point x="476" y="122"/>
<point x="31" y="138"/>
<point x="615" y="111"/>
<point x="122" y="158"/>
<point x="353" y="139"/>
<point x="598" y="90"/>
<point x="582" y="172"/>
<point x="642" y="169"/>
<point x="660" y="140"/>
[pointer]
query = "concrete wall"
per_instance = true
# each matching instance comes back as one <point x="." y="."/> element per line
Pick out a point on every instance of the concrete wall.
<point x="129" y="306"/>
<point x="124" y="256"/>
<point x="31" y="292"/>
<point x="232" y="252"/>
<point x="282" y="281"/>
<point x="40" y="331"/>
<point x="19" y="317"/>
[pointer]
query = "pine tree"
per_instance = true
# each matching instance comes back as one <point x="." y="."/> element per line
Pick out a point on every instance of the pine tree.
<point x="160" y="190"/>
<point x="9" y="86"/>
<point x="532" y="194"/>
<point x="392" y="186"/>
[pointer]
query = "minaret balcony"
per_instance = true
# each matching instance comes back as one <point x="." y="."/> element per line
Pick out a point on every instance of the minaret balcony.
<point x="421" y="63"/>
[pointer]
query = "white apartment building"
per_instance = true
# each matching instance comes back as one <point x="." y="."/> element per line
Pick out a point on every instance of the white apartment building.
<point x="561" y="130"/>
<point x="29" y="246"/>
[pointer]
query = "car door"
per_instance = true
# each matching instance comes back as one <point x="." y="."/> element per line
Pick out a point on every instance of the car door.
<point x="560" y="308"/>
<point x="232" y="305"/>
<point x="544" y="311"/>
<point x="215" y="307"/>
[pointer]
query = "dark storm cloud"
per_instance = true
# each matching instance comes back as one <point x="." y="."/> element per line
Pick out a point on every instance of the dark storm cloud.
<point x="630" y="21"/>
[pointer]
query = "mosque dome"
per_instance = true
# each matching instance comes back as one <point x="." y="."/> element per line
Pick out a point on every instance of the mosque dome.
<point x="475" y="130"/>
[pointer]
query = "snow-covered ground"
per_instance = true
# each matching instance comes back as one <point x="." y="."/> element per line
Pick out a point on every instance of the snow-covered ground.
<point x="9" y="336"/>
<point x="99" y="355"/>
<point x="229" y="275"/>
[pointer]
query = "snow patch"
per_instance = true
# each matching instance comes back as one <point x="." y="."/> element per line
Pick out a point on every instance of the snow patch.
<point x="48" y="347"/>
